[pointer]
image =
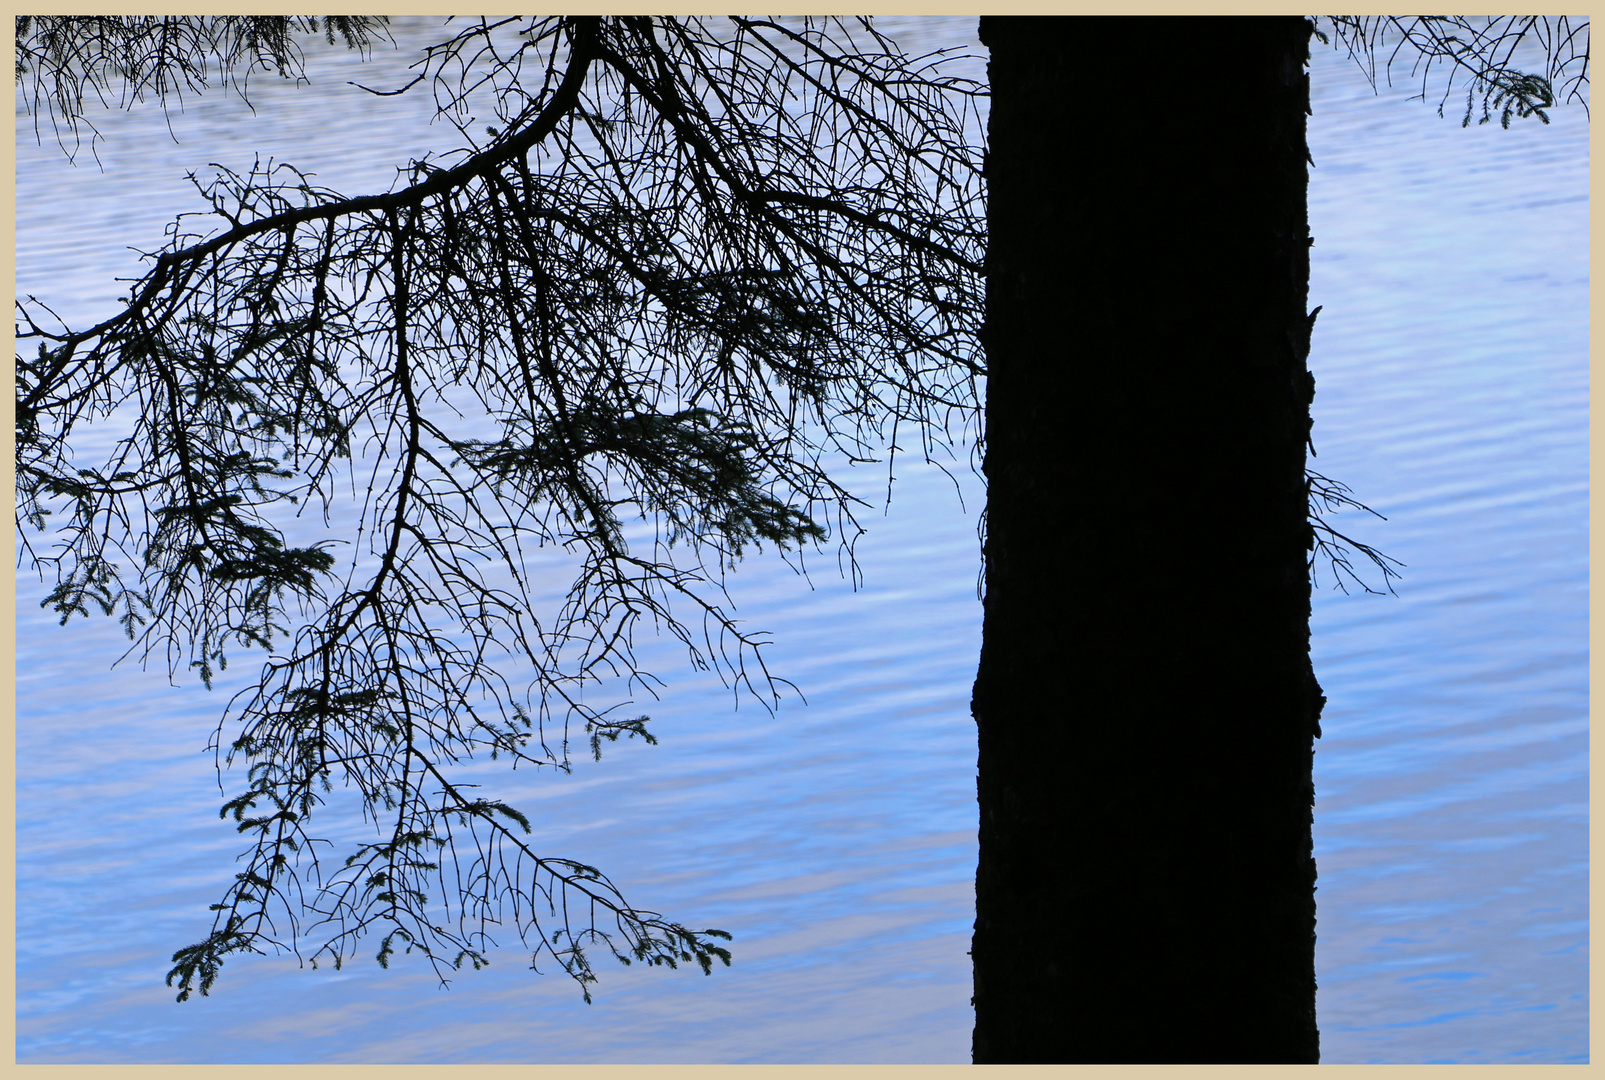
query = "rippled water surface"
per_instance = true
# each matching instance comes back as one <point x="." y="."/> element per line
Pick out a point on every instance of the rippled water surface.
<point x="836" y="839"/>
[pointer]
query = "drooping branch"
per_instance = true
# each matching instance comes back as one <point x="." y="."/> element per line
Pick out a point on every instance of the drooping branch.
<point x="62" y="60"/>
<point x="1483" y="54"/>
<point x="645" y="324"/>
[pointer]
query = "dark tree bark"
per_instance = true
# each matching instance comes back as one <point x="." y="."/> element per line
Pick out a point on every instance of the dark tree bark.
<point x="1145" y="699"/>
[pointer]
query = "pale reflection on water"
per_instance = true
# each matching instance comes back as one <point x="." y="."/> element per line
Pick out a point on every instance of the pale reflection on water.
<point x="836" y="840"/>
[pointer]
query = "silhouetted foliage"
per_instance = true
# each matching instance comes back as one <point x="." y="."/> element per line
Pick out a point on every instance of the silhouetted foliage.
<point x="688" y="266"/>
<point x="62" y="60"/>
<point x="1479" y="53"/>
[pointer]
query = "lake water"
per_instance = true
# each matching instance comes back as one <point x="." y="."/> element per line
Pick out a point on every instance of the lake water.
<point x="836" y="840"/>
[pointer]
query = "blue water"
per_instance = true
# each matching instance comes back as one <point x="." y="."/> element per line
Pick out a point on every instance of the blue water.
<point x="836" y="839"/>
<point x="1451" y="362"/>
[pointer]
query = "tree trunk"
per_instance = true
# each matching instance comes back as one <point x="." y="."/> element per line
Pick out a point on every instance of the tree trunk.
<point x="1145" y="700"/>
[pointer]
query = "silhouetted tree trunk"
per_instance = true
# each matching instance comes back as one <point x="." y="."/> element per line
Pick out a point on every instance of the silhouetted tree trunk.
<point x="1145" y="699"/>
